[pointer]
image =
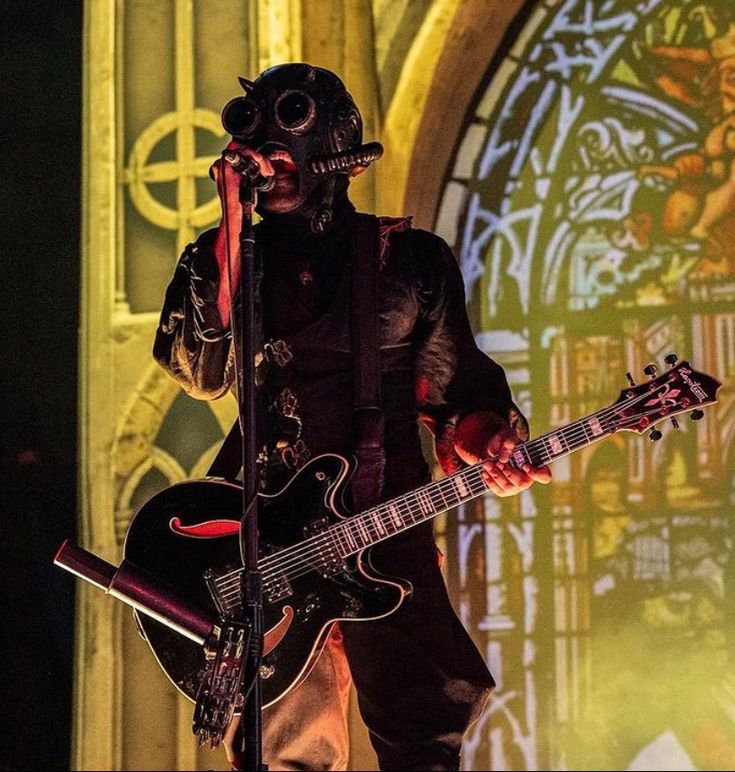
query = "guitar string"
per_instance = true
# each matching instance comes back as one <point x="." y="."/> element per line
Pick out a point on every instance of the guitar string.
<point x="286" y="560"/>
<point x="572" y="443"/>
<point x="474" y="483"/>
<point x="231" y="587"/>
<point x="273" y="581"/>
<point x="367" y="520"/>
<point x="311" y="568"/>
<point x="417" y="514"/>
<point x="289" y="551"/>
<point x="401" y="503"/>
<point x="579" y="433"/>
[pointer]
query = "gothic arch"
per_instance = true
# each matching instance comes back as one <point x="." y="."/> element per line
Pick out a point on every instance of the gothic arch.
<point x="445" y="65"/>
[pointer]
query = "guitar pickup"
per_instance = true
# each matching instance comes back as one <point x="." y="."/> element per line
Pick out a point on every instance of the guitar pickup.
<point x="226" y="596"/>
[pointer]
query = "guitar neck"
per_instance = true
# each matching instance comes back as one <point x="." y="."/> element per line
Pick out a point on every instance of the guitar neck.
<point x="417" y="506"/>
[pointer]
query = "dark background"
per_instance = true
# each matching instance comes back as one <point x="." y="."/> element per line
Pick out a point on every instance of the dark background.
<point x="40" y="131"/>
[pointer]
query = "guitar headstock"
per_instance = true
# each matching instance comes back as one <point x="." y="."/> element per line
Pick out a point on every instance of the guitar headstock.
<point x="680" y="389"/>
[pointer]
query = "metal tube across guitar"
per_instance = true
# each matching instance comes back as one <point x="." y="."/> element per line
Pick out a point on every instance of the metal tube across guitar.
<point x="137" y="588"/>
<point x="183" y="543"/>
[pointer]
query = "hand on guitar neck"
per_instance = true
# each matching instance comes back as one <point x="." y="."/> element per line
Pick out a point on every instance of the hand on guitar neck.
<point x="486" y="437"/>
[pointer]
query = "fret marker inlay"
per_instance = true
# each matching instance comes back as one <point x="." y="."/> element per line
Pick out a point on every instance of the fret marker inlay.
<point x="425" y="503"/>
<point x="555" y="444"/>
<point x="394" y="515"/>
<point x="595" y="426"/>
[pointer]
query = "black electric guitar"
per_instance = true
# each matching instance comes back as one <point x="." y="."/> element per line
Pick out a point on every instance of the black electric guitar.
<point x="315" y="557"/>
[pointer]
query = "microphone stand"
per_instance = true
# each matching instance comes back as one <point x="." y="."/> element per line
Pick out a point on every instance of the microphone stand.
<point x="251" y="587"/>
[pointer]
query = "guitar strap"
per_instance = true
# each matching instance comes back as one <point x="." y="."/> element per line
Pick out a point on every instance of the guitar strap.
<point x="368" y="422"/>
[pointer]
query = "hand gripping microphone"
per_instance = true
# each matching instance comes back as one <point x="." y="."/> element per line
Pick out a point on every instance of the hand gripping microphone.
<point x="246" y="166"/>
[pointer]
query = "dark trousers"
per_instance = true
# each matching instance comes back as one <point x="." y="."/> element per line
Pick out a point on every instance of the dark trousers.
<point x="420" y="680"/>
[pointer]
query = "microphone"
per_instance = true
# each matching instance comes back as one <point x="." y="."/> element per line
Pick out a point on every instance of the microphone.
<point x="249" y="168"/>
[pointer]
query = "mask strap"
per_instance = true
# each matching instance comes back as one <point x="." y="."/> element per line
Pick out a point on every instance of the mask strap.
<point x="323" y="215"/>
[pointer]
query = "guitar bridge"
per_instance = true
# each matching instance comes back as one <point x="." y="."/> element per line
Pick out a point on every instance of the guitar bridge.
<point x="225" y="591"/>
<point x="223" y="611"/>
<point x="328" y="560"/>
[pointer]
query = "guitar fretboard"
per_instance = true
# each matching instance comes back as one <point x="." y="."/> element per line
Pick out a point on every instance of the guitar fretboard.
<point x="403" y="512"/>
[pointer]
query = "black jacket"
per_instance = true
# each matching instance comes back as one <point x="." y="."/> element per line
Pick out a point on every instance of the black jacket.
<point x="431" y="367"/>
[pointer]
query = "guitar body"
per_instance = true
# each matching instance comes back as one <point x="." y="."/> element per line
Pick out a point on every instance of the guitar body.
<point x="190" y="531"/>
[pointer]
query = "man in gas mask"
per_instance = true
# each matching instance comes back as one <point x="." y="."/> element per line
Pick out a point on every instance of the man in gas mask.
<point x="420" y="680"/>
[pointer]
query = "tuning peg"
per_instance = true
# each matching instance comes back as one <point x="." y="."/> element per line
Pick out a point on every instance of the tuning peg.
<point x="675" y="423"/>
<point x="655" y="435"/>
<point x="650" y="370"/>
<point x="696" y="415"/>
<point x="630" y="379"/>
<point x="671" y="359"/>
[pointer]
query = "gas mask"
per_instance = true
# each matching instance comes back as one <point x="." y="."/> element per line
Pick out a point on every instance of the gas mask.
<point x="307" y="112"/>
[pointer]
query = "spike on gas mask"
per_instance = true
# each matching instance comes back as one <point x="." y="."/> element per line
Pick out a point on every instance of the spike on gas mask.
<point x="307" y="112"/>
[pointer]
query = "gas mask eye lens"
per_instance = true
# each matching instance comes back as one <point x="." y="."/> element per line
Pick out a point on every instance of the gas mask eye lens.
<point x="240" y="116"/>
<point x="295" y="111"/>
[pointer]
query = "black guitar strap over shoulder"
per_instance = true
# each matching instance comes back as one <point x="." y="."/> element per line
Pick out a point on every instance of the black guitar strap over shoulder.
<point x="368" y="421"/>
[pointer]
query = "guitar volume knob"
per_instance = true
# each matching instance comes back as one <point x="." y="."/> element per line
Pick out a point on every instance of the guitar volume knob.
<point x="655" y="435"/>
<point x="696" y="415"/>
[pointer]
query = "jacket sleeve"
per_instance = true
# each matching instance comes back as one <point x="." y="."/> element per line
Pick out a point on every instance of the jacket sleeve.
<point x="453" y="377"/>
<point x="190" y="343"/>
